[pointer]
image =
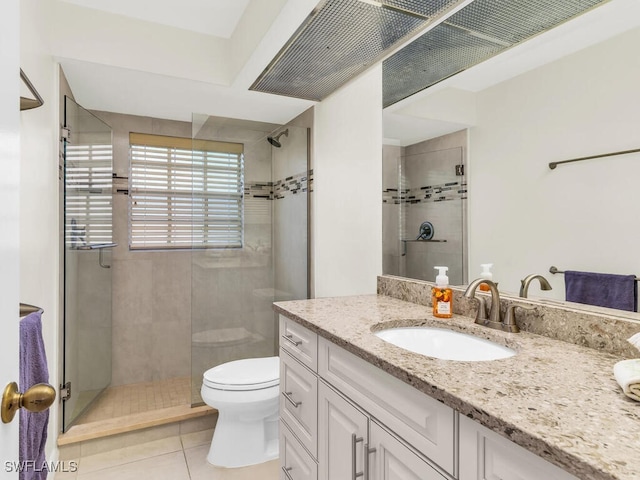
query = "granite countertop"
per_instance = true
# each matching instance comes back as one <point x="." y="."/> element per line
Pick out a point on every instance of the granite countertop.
<point x="554" y="398"/>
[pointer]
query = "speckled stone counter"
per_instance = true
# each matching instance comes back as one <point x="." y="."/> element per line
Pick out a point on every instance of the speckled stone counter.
<point x="556" y="399"/>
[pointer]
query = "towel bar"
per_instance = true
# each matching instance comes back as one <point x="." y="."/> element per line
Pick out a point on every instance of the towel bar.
<point x="26" y="309"/>
<point x="555" y="270"/>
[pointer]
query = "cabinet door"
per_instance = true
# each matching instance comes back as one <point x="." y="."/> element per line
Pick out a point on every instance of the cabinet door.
<point x="342" y="435"/>
<point x="393" y="460"/>
<point x="485" y="455"/>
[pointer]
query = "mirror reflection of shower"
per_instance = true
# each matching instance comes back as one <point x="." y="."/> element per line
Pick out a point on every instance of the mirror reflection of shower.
<point x="275" y="141"/>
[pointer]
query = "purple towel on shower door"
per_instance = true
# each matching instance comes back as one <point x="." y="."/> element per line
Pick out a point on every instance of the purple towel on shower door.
<point x="602" y="290"/>
<point x="33" y="426"/>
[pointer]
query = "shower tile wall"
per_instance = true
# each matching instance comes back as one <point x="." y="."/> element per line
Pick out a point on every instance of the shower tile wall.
<point x="290" y="215"/>
<point x="425" y="164"/>
<point x="151" y="289"/>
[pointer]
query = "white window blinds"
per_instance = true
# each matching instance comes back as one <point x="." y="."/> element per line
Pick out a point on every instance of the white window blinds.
<point x="88" y="195"/>
<point x="184" y="193"/>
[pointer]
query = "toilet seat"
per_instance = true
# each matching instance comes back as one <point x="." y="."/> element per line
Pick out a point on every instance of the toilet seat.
<point x="244" y="375"/>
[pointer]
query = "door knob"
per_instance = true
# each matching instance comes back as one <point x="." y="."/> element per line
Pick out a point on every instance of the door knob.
<point x="38" y="398"/>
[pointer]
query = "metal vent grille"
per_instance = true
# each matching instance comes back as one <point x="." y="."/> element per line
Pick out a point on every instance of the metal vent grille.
<point x="338" y="41"/>
<point x="441" y="52"/>
<point x="514" y="21"/>
<point x="477" y="32"/>
<point x="423" y="8"/>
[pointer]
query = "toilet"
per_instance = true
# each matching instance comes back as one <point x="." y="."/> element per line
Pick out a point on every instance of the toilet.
<point x="245" y="393"/>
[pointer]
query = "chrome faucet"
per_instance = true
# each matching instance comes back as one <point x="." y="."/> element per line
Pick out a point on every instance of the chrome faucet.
<point x="494" y="320"/>
<point x="524" y="284"/>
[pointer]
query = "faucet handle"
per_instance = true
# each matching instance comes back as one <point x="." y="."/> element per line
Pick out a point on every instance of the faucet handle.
<point x="510" y="318"/>
<point x="481" y="315"/>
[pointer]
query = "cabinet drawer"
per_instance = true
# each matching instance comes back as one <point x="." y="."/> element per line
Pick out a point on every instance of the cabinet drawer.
<point x="300" y="342"/>
<point x="299" y="401"/>
<point x="484" y="454"/>
<point x="295" y="461"/>
<point x="423" y="422"/>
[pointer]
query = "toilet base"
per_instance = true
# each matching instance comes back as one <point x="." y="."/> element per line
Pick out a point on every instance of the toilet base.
<point x="237" y="443"/>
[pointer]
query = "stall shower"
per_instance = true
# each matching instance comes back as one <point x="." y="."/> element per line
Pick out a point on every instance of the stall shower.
<point x="144" y="320"/>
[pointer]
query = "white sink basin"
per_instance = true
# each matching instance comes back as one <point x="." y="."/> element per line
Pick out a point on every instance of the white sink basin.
<point x="445" y="344"/>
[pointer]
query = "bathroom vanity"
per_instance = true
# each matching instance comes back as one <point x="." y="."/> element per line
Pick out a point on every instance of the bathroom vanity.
<point x="353" y="406"/>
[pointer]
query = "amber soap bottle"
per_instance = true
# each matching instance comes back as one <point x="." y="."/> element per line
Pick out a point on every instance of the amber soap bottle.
<point x="442" y="296"/>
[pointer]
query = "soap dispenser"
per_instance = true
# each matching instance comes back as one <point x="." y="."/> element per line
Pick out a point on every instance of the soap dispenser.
<point x="487" y="275"/>
<point x="442" y="296"/>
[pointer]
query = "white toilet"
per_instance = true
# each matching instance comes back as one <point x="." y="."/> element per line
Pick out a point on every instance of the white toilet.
<point x="245" y="393"/>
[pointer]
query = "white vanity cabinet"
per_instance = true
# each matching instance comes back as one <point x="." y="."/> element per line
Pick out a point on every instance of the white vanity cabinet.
<point x="484" y="454"/>
<point x="343" y="418"/>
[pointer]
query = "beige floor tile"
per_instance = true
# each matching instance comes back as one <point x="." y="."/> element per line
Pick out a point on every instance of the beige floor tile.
<point x="171" y="466"/>
<point x="200" y="469"/>
<point x="196" y="439"/>
<point x="129" y="454"/>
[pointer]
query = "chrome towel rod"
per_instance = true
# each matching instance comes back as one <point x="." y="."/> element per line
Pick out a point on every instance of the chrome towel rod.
<point x="555" y="270"/>
<point x="26" y="309"/>
<point x="553" y="165"/>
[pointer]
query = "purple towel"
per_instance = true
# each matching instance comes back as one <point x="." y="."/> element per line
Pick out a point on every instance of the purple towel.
<point x="33" y="426"/>
<point x="602" y="290"/>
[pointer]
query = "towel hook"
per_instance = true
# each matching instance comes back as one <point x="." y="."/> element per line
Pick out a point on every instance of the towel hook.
<point x="38" y="398"/>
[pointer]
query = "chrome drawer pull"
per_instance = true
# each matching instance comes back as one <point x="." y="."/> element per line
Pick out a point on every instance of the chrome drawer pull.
<point x="289" y="338"/>
<point x="286" y="471"/>
<point x="354" y="441"/>
<point x="368" y="451"/>
<point x="287" y="395"/>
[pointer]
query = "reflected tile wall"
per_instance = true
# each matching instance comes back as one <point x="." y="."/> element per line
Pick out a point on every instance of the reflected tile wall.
<point x="427" y="190"/>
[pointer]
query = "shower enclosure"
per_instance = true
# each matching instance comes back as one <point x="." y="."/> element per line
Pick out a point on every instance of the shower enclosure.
<point x="424" y="205"/>
<point x="87" y="273"/>
<point x="251" y="246"/>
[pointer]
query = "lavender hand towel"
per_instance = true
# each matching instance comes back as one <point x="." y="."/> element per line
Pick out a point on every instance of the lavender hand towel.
<point x="602" y="289"/>
<point x="33" y="426"/>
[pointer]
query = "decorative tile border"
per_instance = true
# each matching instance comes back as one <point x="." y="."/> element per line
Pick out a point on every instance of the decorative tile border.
<point x="295" y="184"/>
<point x="427" y="194"/>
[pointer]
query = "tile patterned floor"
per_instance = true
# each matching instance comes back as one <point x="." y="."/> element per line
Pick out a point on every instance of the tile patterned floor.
<point x="174" y="458"/>
<point x="137" y="398"/>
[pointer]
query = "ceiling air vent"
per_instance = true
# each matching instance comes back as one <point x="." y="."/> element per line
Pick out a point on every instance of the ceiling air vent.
<point x="477" y="32"/>
<point x="340" y="39"/>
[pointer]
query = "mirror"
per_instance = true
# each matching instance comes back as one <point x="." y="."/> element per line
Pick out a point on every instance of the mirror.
<point x="571" y="92"/>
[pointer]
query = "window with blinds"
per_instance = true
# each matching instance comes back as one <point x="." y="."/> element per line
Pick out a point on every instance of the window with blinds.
<point x="88" y="195"/>
<point x="185" y="193"/>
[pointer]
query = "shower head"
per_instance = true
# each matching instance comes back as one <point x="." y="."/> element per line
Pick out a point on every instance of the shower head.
<point x="275" y="141"/>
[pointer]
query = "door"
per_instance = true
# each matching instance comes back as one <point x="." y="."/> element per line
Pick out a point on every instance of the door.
<point x="88" y="172"/>
<point x="393" y="460"/>
<point x="342" y="436"/>
<point x="9" y="226"/>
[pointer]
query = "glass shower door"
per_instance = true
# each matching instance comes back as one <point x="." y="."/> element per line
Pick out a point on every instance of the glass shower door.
<point x="88" y="166"/>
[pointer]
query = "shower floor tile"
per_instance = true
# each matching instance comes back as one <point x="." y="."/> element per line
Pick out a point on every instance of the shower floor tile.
<point x="135" y="398"/>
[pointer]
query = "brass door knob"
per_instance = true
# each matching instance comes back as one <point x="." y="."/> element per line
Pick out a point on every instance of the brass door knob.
<point x="38" y="398"/>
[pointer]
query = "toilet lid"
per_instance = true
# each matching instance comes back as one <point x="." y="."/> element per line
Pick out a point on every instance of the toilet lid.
<point x="247" y="374"/>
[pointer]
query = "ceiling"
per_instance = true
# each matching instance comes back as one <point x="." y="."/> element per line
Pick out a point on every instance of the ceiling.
<point x="210" y="17"/>
<point x="168" y="59"/>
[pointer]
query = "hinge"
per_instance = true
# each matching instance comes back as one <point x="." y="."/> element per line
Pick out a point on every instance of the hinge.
<point x="459" y="170"/>
<point x="65" y="133"/>
<point x="65" y="391"/>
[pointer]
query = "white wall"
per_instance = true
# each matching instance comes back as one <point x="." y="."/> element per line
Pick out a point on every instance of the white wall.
<point x="524" y="217"/>
<point x="347" y="208"/>
<point x="9" y="180"/>
<point x="39" y="232"/>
